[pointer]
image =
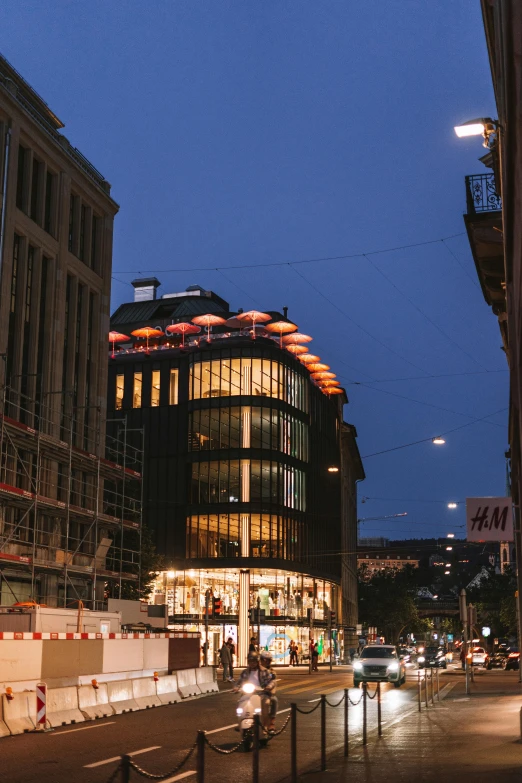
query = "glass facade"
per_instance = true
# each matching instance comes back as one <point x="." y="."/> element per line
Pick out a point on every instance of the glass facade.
<point x="219" y="535"/>
<point x="248" y="427"/>
<point x="243" y="481"/>
<point x="226" y="377"/>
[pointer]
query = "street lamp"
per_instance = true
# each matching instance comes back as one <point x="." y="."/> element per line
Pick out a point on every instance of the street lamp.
<point x="450" y="535"/>
<point x="449" y="548"/>
<point x="448" y="565"/>
<point x="446" y="572"/>
<point x="483" y="126"/>
<point x="333" y="469"/>
<point x="452" y="505"/>
<point x="438" y="441"/>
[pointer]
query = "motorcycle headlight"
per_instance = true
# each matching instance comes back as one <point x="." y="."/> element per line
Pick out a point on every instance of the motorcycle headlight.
<point x="248" y="687"/>
<point x="421" y="659"/>
<point x="257" y="709"/>
<point x="239" y="711"/>
<point x="358" y="666"/>
<point x="393" y="667"/>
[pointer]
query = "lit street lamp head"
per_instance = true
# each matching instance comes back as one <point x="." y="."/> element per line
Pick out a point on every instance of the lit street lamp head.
<point x="333" y="469"/>
<point x="452" y="505"/>
<point x="438" y="441"/>
<point x="483" y="126"/>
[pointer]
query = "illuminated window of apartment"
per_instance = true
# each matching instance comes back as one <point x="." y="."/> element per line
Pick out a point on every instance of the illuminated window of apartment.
<point x="137" y="390"/>
<point x="119" y="392"/>
<point x="173" y="386"/>
<point x="155" y="389"/>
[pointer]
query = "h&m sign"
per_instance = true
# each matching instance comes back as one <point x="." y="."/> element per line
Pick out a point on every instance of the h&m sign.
<point x="489" y="519"/>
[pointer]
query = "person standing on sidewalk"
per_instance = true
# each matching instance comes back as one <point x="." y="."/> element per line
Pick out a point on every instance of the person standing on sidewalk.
<point x="226" y="661"/>
<point x="232" y="647"/>
<point x="315" y="657"/>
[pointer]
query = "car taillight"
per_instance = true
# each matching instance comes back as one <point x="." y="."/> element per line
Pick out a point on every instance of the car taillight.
<point x="514" y="655"/>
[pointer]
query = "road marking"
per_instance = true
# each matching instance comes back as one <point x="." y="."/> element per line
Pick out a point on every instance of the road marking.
<point x="117" y="758"/>
<point x="83" y="728"/>
<point x="180" y="777"/>
<point x="311" y="701"/>
<point x="223" y="728"/>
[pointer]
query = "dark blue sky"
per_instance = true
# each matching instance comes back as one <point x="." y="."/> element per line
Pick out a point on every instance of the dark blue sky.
<point x="255" y="132"/>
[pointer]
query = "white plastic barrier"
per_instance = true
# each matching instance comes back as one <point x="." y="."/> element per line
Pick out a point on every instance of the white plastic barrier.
<point x="167" y="689"/>
<point x="187" y="684"/>
<point x="206" y="679"/>
<point x="94" y="703"/>
<point x="121" y="696"/>
<point x="20" y="713"/>
<point x="144" y="691"/>
<point x="62" y="706"/>
<point x="4" y="731"/>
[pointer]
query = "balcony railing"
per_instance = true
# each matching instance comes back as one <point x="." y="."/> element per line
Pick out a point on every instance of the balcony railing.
<point x="481" y="194"/>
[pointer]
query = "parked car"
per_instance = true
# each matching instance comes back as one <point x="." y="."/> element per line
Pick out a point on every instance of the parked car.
<point x="479" y="657"/>
<point x="379" y="663"/>
<point x="513" y="659"/>
<point x="498" y="660"/>
<point x="433" y="657"/>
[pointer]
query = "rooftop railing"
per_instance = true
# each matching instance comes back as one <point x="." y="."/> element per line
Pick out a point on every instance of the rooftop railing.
<point x="481" y="194"/>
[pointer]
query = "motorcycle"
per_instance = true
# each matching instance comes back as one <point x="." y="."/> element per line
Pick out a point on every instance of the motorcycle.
<point x="252" y="701"/>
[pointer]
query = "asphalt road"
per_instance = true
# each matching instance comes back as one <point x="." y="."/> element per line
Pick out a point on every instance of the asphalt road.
<point x="160" y="737"/>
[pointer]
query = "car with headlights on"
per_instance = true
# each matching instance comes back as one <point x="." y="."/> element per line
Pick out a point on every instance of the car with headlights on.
<point x="379" y="663"/>
<point x="433" y="657"/>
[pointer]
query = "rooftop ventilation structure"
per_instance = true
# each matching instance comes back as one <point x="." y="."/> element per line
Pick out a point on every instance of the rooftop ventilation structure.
<point x="145" y="288"/>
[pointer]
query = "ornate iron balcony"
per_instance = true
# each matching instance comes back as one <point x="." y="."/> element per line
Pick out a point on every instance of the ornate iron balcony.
<point x="481" y="194"/>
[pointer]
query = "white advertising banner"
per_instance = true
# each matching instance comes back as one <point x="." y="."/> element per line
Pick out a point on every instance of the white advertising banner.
<point x="489" y="519"/>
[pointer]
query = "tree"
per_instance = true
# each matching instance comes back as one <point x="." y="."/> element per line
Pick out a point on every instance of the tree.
<point x="494" y="597"/>
<point x="151" y="564"/>
<point x="387" y="601"/>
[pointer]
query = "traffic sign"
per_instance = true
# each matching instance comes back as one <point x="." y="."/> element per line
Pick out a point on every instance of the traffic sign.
<point x="41" y="703"/>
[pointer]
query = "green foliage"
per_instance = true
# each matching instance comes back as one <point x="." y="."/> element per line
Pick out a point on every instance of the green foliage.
<point x="386" y="601"/>
<point x="151" y="564"/>
<point x="494" y="598"/>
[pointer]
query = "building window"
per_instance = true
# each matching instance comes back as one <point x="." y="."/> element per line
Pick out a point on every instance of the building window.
<point x="137" y="390"/>
<point x="155" y="389"/>
<point x="70" y="243"/>
<point x="120" y="385"/>
<point x="35" y="189"/>
<point x="94" y="242"/>
<point x="50" y="181"/>
<point x="173" y="386"/>
<point x="83" y="219"/>
<point x="22" y="176"/>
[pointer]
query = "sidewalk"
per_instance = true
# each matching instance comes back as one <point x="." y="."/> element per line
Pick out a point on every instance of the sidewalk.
<point x="474" y="737"/>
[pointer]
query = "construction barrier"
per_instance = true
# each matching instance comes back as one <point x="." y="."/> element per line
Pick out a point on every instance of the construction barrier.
<point x="121" y="696"/>
<point x="206" y="679"/>
<point x="94" y="702"/>
<point x="167" y="689"/>
<point x="4" y="731"/>
<point x="187" y="684"/>
<point x="20" y="713"/>
<point x="62" y="706"/>
<point x="144" y="691"/>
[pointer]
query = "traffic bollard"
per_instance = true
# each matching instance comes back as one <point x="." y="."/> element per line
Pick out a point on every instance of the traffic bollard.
<point x="200" y="757"/>
<point x="438" y="687"/>
<point x="255" y="750"/>
<point x="346" y="702"/>
<point x="426" y="687"/>
<point x="365" y="692"/>
<point x="379" y="723"/>
<point x="323" y="733"/>
<point x="419" y="692"/>
<point x="293" y="743"/>
<point x="125" y="768"/>
<point x="431" y="688"/>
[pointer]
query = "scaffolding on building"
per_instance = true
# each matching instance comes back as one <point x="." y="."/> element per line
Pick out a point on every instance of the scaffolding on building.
<point x="70" y="517"/>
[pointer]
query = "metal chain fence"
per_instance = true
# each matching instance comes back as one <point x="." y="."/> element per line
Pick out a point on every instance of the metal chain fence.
<point x="223" y="751"/>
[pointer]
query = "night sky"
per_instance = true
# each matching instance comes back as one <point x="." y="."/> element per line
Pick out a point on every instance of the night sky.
<point x="258" y="133"/>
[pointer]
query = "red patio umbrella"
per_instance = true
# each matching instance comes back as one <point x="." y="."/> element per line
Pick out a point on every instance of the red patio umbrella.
<point x="147" y="332"/>
<point x="296" y="349"/>
<point x="183" y="329"/>
<point x="296" y="338"/>
<point x="328" y="382"/>
<point x="281" y="328"/>
<point x="117" y="337"/>
<point x="317" y="366"/>
<point x="332" y="390"/>
<point x="321" y="376"/>
<point x="307" y="358"/>
<point x="208" y="320"/>
<point x="254" y="317"/>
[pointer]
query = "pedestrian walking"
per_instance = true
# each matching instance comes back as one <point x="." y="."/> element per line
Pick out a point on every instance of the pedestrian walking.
<point x="252" y="647"/>
<point x="315" y="657"/>
<point x="226" y="661"/>
<point x="293" y="653"/>
<point x="232" y="647"/>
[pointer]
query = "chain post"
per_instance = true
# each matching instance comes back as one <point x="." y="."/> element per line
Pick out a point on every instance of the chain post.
<point x="125" y="767"/>
<point x="200" y="758"/>
<point x="323" y="733"/>
<point x="255" y="751"/>
<point x="438" y="687"/>
<point x="431" y="689"/>
<point x="426" y="686"/>
<point x="346" y="702"/>
<point x="293" y="743"/>
<point x="365" y="693"/>
<point x="419" y="691"/>
<point x="379" y="723"/>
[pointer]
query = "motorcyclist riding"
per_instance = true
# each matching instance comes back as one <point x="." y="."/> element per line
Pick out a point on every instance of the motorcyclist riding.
<point x="266" y="662"/>
<point x="257" y="675"/>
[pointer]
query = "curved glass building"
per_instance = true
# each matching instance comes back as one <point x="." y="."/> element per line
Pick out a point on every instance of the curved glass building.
<point x="249" y="478"/>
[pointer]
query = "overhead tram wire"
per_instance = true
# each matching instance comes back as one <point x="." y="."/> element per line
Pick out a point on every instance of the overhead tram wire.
<point x="425" y="440"/>
<point x="408" y="500"/>
<point x="350" y="319"/>
<point x="423" y="314"/>
<point x="450" y="251"/>
<point x="427" y="377"/>
<point x="300" y="261"/>
<point x="427" y="404"/>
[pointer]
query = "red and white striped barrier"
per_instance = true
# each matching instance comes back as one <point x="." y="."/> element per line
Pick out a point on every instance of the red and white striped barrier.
<point x="25" y="635"/>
